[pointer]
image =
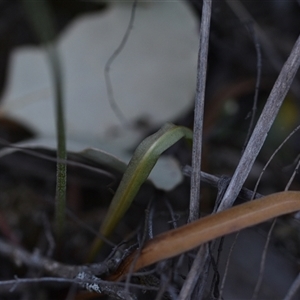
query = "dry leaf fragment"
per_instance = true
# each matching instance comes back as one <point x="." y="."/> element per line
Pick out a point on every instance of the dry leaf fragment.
<point x="187" y="237"/>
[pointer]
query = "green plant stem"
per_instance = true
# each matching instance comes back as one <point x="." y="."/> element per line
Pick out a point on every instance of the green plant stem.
<point x="61" y="167"/>
<point x="40" y="16"/>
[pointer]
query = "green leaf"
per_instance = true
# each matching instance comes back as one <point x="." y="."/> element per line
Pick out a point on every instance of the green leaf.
<point x="138" y="170"/>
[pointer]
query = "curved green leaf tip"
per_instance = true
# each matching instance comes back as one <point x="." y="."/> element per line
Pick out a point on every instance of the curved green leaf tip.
<point x="137" y="171"/>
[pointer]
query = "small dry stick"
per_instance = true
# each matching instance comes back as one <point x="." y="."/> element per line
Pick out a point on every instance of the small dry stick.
<point x="199" y="110"/>
<point x="263" y="126"/>
<point x="192" y="278"/>
<point x="193" y="275"/>
<point x="293" y="289"/>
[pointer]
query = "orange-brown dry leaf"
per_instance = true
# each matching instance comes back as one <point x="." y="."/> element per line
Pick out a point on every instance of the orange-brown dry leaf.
<point x="187" y="237"/>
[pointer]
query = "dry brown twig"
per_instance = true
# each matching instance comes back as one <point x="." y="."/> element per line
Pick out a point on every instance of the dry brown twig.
<point x="82" y="275"/>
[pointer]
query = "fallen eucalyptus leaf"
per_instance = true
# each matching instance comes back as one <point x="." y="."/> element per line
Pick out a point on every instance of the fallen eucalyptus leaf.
<point x="153" y="78"/>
